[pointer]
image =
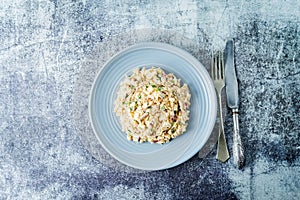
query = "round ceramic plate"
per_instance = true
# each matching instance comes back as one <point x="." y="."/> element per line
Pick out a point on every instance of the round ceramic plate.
<point x="106" y="124"/>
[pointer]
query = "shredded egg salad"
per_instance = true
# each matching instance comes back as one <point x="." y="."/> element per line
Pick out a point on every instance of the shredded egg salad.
<point x="152" y="106"/>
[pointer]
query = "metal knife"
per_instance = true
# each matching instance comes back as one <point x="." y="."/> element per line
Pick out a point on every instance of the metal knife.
<point x="233" y="103"/>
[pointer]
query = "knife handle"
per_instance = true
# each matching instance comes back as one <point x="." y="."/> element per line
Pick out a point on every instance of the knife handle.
<point x="238" y="149"/>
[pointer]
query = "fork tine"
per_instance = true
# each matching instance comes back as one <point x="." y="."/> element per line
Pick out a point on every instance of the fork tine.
<point x="212" y="67"/>
<point x="216" y="66"/>
<point x="222" y="65"/>
<point x="219" y="65"/>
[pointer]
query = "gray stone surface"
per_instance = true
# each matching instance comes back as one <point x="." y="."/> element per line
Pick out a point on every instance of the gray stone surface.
<point x="43" y="47"/>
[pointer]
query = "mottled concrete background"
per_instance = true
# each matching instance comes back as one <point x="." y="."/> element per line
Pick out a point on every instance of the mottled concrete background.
<point x="43" y="44"/>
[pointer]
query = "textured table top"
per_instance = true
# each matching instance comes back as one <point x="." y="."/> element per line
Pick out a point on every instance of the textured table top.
<point x="43" y="153"/>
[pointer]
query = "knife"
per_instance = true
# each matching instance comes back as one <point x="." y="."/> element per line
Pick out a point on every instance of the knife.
<point x="233" y="103"/>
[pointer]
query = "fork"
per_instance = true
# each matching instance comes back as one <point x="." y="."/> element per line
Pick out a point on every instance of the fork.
<point x="217" y="74"/>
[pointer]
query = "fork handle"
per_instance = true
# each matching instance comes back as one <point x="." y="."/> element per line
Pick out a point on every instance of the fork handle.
<point x="238" y="148"/>
<point x="222" y="150"/>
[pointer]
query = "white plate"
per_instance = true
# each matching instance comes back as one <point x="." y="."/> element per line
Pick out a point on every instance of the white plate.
<point x="106" y="125"/>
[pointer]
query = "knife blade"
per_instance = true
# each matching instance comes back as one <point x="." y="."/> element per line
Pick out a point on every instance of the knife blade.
<point x="233" y="103"/>
<point x="230" y="77"/>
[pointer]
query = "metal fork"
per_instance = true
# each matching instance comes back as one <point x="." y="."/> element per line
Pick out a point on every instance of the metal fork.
<point x="217" y="74"/>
